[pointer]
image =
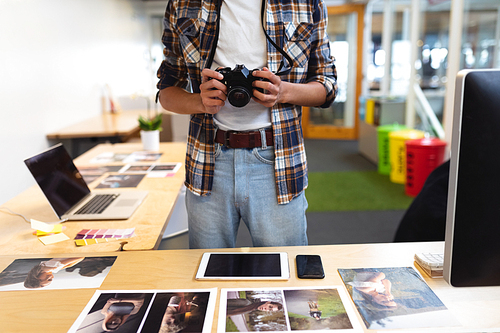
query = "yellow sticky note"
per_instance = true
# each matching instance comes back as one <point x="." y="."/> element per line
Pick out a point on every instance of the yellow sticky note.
<point x="57" y="229"/>
<point x="47" y="240"/>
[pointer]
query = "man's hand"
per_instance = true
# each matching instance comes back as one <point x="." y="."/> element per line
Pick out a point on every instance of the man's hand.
<point x="213" y="92"/>
<point x="272" y="88"/>
<point x="276" y="91"/>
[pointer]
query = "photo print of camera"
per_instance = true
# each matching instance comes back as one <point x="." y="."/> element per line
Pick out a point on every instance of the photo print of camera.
<point x="239" y="84"/>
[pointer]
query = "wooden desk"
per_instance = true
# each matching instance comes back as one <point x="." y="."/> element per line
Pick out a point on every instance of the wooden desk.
<point x="149" y="219"/>
<point x="114" y="127"/>
<point x="476" y="309"/>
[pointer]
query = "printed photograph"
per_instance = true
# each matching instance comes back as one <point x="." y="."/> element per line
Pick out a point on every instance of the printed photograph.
<point x="109" y="157"/>
<point x="119" y="181"/>
<point x="148" y="311"/>
<point x="117" y="312"/>
<point x="172" y="167"/>
<point x="255" y="310"/>
<point x="164" y="170"/>
<point x="152" y="170"/>
<point x="289" y="309"/>
<point x="92" y="173"/>
<point x="177" y="312"/>
<point x="316" y="309"/>
<point x="136" y="168"/>
<point x="90" y="178"/>
<point x="99" y="169"/>
<point x="389" y="298"/>
<point x="55" y="273"/>
<point x="142" y="156"/>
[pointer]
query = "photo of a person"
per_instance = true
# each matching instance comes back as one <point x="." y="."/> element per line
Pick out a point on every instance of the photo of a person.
<point x="395" y="298"/>
<point x="178" y="313"/>
<point x="237" y="306"/>
<point x="119" y="308"/>
<point x="55" y="273"/>
<point x="375" y="288"/>
<point x="316" y="309"/>
<point x="248" y="311"/>
<point x="114" y="311"/>
<point x="143" y="311"/>
<point x="42" y="274"/>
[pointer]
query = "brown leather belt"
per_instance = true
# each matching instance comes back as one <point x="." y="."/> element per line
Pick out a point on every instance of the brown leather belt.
<point x="251" y="139"/>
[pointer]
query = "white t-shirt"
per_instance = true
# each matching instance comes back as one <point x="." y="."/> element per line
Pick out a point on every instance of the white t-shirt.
<point x="241" y="41"/>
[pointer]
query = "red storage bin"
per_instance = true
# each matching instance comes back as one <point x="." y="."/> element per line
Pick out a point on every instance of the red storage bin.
<point x="422" y="157"/>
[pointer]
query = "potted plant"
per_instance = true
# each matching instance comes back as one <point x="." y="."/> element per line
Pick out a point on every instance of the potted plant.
<point x="150" y="131"/>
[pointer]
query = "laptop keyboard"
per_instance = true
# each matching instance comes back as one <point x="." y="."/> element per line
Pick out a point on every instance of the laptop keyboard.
<point x="97" y="204"/>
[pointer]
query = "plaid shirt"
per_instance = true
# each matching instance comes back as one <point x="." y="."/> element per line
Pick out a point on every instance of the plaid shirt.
<point x="297" y="26"/>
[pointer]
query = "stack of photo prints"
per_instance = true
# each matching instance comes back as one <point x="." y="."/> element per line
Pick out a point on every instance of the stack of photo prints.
<point x="132" y="169"/>
<point x="385" y="298"/>
<point x="240" y="311"/>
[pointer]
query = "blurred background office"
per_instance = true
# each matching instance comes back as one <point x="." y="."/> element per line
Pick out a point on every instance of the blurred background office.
<point x="61" y="60"/>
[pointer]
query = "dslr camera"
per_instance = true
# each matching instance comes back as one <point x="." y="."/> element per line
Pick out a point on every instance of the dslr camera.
<point x="239" y="84"/>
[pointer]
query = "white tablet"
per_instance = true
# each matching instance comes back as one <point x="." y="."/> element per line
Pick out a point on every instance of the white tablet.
<point x="243" y="266"/>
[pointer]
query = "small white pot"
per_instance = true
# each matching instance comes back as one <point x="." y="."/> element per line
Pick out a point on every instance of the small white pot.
<point x="150" y="140"/>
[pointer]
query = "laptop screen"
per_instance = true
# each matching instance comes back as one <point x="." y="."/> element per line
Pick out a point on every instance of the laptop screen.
<point x="58" y="178"/>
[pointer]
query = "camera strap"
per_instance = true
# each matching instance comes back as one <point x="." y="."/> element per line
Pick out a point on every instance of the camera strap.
<point x="280" y="50"/>
<point x="216" y="37"/>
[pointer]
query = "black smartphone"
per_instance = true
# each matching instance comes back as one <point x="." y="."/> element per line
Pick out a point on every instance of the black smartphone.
<point x="309" y="266"/>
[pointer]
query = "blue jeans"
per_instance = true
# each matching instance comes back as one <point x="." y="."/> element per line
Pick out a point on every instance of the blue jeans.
<point x="244" y="188"/>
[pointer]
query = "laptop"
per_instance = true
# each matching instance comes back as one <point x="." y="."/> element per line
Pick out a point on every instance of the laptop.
<point x="69" y="195"/>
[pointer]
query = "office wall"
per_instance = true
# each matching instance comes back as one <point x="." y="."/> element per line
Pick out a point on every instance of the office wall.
<point x="56" y="56"/>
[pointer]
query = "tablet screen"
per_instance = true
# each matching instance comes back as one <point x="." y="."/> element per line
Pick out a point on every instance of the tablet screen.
<point x="243" y="265"/>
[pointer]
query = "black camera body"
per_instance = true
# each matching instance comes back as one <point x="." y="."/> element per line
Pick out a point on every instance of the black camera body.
<point x="239" y="84"/>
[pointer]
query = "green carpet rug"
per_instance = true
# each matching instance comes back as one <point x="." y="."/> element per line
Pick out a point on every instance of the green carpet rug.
<point x="354" y="191"/>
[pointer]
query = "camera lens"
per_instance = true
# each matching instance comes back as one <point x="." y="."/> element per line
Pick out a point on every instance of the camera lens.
<point x="238" y="97"/>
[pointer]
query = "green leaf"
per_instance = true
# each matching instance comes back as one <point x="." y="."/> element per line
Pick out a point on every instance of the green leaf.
<point x="154" y="124"/>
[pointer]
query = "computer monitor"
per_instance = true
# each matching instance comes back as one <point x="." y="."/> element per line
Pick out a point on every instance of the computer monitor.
<point x="472" y="241"/>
